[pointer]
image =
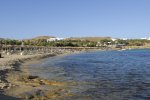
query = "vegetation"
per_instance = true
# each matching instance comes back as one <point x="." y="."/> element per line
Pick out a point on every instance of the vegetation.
<point x="10" y="42"/>
<point x="133" y="42"/>
<point x="137" y="42"/>
<point x="74" y="43"/>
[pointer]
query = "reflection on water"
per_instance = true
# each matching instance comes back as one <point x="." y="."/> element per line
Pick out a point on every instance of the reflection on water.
<point x="104" y="75"/>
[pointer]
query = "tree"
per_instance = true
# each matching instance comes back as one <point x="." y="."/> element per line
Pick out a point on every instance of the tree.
<point x="125" y="42"/>
<point x="105" y="41"/>
<point x="136" y="42"/>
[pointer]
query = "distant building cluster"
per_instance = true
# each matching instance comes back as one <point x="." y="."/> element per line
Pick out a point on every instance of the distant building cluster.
<point x="145" y="38"/>
<point x="54" y="39"/>
<point x="113" y="39"/>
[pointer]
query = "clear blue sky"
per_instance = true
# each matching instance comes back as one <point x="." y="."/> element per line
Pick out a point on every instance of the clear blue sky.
<point x="74" y="18"/>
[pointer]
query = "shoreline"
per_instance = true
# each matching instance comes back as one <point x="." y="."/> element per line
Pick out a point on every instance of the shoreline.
<point x="12" y="71"/>
<point x="13" y="76"/>
<point x="13" y="64"/>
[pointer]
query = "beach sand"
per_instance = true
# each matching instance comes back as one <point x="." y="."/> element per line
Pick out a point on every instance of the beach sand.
<point x="16" y="81"/>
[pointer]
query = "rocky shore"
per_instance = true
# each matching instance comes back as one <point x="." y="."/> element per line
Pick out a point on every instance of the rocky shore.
<point x="15" y="81"/>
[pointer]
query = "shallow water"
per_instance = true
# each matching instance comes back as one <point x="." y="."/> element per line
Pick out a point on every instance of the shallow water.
<point x="103" y="75"/>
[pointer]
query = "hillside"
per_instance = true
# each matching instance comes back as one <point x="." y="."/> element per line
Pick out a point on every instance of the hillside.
<point x="42" y="37"/>
<point x="88" y="38"/>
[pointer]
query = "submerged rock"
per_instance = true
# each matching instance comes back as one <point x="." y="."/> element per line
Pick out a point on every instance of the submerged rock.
<point x="32" y="77"/>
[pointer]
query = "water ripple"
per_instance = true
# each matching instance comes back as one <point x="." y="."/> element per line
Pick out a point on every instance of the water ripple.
<point x="107" y="75"/>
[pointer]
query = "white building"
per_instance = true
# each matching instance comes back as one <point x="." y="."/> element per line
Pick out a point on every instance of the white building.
<point x="60" y="38"/>
<point x="124" y="39"/>
<point x="54" y="39"/>
<point x="148" y="38"/>
<point x="143" y="38"/>
<point x="113" y="39"/>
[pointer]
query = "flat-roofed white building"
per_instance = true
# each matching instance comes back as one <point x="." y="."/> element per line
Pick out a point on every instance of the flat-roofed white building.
<point x="113" y="39"/>
<point x="124" y="39"/>
<point x="54" y="39"/>
<point x="143" y="38"/>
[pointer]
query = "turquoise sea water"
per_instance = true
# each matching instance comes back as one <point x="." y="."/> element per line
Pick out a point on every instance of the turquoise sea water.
<point x="101" y="75"/>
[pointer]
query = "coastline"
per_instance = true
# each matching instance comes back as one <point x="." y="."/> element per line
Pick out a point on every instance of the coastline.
<point x="14" y="75"/>
<point x="13" y="63"/>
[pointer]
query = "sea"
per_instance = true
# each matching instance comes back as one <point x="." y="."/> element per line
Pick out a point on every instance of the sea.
<point x="100" y="75"/>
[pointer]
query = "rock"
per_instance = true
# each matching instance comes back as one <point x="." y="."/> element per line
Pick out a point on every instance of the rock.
<point x="32" y="77"/>
<point x="8" y="53"/>
<point x="3" y="85"/>
<point x="22" y="53"/>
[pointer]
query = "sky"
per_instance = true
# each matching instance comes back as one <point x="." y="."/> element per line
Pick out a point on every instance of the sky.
<point x="21" y="19"/>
